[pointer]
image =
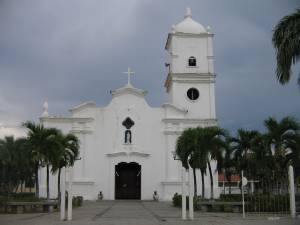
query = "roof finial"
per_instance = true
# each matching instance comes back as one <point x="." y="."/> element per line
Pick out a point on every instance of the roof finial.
<point x="173" y="29"/>
<point x="188" y="12"/>
<point x="208" y="28"/>
<point x="45" y="109"/>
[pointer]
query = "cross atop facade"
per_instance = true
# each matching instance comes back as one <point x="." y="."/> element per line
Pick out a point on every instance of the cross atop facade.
<point x="129" y="73"/>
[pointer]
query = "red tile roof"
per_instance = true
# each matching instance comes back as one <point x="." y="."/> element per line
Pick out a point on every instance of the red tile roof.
<point x="234" y="178"/>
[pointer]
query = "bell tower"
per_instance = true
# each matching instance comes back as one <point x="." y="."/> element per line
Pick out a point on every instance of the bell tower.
<point x="190" y="83"/>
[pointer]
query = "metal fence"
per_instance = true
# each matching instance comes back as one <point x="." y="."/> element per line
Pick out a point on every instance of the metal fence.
<point x="297" y="194"/>
<point x="268" y="195"/>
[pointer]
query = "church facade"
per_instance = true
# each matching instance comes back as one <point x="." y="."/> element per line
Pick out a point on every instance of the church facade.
<point x="127" y="147"/>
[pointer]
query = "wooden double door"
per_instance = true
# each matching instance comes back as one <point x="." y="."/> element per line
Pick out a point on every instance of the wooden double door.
<point x="128" y="181"/>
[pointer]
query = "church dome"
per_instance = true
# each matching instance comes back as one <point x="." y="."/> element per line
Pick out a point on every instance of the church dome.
<point x="188" y="25"/>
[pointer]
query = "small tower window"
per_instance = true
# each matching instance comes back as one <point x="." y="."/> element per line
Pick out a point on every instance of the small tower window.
<point x="193" y="94"/>
<point x="192" y="61"/>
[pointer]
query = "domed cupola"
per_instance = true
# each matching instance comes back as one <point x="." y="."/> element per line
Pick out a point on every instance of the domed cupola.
<point x="188" y="25"/>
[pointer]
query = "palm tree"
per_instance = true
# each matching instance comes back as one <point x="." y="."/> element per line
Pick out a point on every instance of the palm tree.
<point x="261" y="161"/>
<point x="228" y="164"/>
<point x="44" y="148"/>
<point x="278" y="134"/>
<point x="23" y="162"/>
<point x="213" y="142"/>
<point x="9" y="173"/>
<point x="200" y="145"/>
<point x="286" y="40"/>
<point x="185" y="147"/>
<point x="68" y="153"/>
<point x="14" y="163"/>
<point x="242" y="144"/>
<point x="199" y="155"/>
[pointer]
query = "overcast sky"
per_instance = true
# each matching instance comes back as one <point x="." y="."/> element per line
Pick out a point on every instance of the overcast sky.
<point x="74" y="51"/>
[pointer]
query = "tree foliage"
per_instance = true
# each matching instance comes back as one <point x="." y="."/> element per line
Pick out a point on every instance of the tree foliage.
<point x="259" y="155"/>
<point x="21" y="159"/>
<point x="286" y="40"/>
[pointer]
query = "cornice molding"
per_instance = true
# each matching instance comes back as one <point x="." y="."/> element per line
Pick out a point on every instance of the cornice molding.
<point x="172" y="182"/>
<point x="82" y="182"/>
<point x="190" y="120"/>
<point x="189" y="78"/>
<point x="66" y="119"/>
<point x="123" y="153"/>
<point x="81" y="131"/>
<point x="185" y="35"/>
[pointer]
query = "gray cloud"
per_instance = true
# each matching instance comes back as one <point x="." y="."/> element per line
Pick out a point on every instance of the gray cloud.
<point x="74" y="51"/>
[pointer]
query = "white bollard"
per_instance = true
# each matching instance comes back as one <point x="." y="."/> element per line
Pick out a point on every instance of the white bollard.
<point x="70" y="194"/>
<point x="183" y="193"/>
<point x="191" y="194"/>
<point x="63" y="194"/>
<point x="292" y="192"/>
<point x="243" y="197"/>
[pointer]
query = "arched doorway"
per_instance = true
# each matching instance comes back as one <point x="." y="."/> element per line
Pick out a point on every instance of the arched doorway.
<point x="128" y="181"/>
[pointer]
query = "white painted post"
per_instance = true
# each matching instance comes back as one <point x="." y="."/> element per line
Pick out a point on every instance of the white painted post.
<point x="292" y="192"/>
<point x="183" y="193"/>
<point x="252" y="186"/>
<point x="63" y="194"/>
<point x="70" y="194"/>
<point x="243" y="197"/>
<point x="191" y="194"/>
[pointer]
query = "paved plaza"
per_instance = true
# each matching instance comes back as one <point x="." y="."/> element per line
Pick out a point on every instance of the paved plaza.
<point x="138" y="213"/>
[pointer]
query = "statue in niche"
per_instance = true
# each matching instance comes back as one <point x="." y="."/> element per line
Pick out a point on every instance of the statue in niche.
<point x="128" y="123"/>
<point x="127" y="136"/>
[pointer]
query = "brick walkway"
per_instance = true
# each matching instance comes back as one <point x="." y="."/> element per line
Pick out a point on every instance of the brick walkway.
<point x="138" y="213"/>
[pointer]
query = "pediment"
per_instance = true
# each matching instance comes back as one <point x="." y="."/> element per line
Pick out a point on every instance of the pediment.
<point x="83" y="106"/>
<point x="129" y="89"/>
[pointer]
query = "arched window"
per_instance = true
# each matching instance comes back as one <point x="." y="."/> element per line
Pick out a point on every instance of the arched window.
<point x="192" y="61"/>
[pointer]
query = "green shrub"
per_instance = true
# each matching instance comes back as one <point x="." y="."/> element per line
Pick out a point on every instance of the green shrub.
<point x="230" y="198"/>
<point x="19" y="197"/>
<point x="77" y="201"/>
<point x="177" y="201"/>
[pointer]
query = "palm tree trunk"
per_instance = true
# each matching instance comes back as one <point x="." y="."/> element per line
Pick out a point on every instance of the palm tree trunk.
<point x="195" y="182"/>
<point x="37" y="186"/>
<point x="48" y="193"/>
<point x="211" y="182"/>
<point x="17" y="187"/>
<point x="58" y="184"/>
<point x="202" y="178"/>
<point x="228" y="179"/>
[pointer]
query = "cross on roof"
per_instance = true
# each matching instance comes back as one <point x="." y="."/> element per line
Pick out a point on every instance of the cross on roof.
<point x="129" y="73"/>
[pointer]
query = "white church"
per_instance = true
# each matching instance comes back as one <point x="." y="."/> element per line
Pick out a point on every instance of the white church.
<point x="127" y="147"/>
